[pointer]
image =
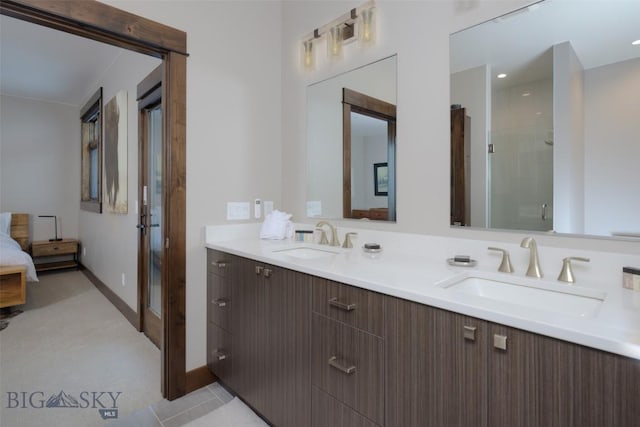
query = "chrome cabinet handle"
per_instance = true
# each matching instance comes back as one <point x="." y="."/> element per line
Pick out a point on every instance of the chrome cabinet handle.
<point x="341" y="365"/>
<point x="259" y="269"/>
<point x="219" y="264"/>
<point x="341" y="305"/>
<point x="544" y="211"/>
<point x="267" y="272"/>
<point x="500" y="341"/>
<point x="220" y="302"/>
<point x="470" y="333"/>
<point x="219" y="355"/>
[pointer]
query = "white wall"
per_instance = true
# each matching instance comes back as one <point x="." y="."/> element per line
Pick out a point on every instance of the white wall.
<point x="111" y="240"/>
<point x="40" y="164"/>
<point x="612" y="151"/>
<point x="472" y="90"/>
<point x="568" y="121"/>
<point x="234" y="112"/>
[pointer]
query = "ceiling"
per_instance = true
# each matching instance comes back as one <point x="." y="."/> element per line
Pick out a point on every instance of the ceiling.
<point x="600" y="31"/>
<point x="40" y="63"/>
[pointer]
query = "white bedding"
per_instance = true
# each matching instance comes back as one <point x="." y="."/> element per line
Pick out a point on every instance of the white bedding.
<point x="12" y="254"/>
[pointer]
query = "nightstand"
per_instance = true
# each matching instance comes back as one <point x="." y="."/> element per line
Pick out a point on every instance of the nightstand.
<point x="67" y="248"/>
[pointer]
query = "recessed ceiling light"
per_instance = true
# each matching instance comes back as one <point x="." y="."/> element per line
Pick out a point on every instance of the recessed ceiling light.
<point x="636" y="42"/>
<point x="526" y="94"/>
<point x="502" y="75"/>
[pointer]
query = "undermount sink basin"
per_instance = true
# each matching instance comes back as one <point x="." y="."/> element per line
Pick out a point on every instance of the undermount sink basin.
<point x="306" y="252"/>
<point x="518" y="291"/>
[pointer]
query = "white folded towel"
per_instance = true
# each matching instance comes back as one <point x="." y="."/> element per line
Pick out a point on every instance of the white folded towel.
<point x="277" y="226"/>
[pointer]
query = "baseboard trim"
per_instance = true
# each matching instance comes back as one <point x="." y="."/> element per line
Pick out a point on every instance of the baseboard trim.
<point x="198" y="378"/>
<point x="118" y="303"/>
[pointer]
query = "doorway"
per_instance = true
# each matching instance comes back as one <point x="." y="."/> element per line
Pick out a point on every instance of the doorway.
<point x="98" y="21"/>
<point x="150" y="190"/>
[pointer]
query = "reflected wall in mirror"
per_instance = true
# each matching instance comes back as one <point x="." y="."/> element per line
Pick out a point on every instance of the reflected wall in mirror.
<point x="351" y="125"/>
<point x="545" y="120"/>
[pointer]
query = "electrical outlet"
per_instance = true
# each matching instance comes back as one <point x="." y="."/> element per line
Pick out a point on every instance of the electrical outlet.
<point x="123" y="280"/>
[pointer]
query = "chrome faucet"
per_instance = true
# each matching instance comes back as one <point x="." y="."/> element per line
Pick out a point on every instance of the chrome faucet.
<point x="534" y="269"/>
<point x="334" y="233"/>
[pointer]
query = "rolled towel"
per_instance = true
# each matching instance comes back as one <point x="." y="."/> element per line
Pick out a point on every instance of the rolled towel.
<point x="276" y="226"/>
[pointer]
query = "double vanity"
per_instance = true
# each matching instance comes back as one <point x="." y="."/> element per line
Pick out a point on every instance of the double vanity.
<point x="316" y="335"/>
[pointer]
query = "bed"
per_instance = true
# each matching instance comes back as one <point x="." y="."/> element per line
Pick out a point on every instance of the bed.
<point x="16" y="266"/>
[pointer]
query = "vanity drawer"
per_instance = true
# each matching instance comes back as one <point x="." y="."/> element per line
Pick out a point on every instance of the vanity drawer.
<point x="219" y="263"/>
<point x="354" y="306"/>
<point x="348" y="364"/>
<point x="219" y="301"/>
<point x="326" y="411"/>
<point x="219" y="352"/>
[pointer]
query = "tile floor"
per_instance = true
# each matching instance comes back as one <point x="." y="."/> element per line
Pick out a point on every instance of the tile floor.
<point x="178" y="412"/>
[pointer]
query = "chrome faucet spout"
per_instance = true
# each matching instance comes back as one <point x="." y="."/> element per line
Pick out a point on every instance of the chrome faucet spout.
<point x="534" y="269"/>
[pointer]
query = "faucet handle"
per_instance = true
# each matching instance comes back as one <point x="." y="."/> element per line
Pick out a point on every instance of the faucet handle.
<point x="566" y="274"/>
<point x="505" y="265"/>
<point x="347" y="239"/>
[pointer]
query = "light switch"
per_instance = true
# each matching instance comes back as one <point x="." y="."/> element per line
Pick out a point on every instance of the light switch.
<point x="238" y="210"/>
<point x="314" y="208"/>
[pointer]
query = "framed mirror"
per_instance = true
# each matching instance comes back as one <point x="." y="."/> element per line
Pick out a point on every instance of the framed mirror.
<point x="351" y="126"/>
<point x="544" y="116"/>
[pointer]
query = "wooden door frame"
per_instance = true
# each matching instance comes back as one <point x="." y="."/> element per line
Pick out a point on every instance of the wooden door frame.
<point x="366" y="105"/>
<point x="104" y="23"/>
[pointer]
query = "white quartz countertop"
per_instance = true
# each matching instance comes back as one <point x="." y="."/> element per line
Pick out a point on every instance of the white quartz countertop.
<point x="415" y="275"/>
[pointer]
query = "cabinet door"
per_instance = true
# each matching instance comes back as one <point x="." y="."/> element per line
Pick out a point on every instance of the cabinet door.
<point x="435" y="372"/>
<point x="246" y="380"/>
<point x="285" y="341"/>
<point x="514" y="378"/>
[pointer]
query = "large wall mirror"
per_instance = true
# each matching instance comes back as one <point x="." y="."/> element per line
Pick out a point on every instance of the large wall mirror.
<point x="351" y="144"/>
<point x="545" y="120"/>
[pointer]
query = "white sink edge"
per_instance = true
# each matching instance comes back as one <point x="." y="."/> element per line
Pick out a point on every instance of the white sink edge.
<point x="542" y="284"/>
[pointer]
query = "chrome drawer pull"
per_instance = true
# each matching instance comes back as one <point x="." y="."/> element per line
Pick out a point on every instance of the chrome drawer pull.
<point x="500" y="341"/>
<point x="470" y="333"/>
<point x="340" y="365"/>
<point x="219" y="355"/>
<point x="259" y="269"/>
<point x="220" y="302"/>
<point x="267" y="272"/>
<point x="220" y="264"/>
<point x="341" y="305"/>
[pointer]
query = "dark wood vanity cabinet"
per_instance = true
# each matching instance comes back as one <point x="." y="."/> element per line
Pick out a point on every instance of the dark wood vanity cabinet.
<point x="307" y="351"/>
<point x="347" y="354"/>
<point x="435" y="377"/>
<point x="448" y="369"/>
<point x="271" y="342"/>
<point x="220" y="276"/>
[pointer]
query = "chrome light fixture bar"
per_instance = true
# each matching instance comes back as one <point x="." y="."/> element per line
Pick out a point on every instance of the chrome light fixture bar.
<point x="357" y="24"/>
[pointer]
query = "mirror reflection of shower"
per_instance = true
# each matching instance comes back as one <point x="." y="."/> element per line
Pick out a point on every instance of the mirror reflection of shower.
<point x="520" y="193"/>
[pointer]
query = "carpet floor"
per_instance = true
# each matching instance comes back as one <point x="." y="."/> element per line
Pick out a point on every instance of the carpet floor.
<point x="71" y="358"/>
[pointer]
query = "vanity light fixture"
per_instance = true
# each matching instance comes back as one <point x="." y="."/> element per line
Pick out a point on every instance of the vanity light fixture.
<point x="357" y="24"/>
<point x="501" y="75"/>
<point x="307" y="54"/>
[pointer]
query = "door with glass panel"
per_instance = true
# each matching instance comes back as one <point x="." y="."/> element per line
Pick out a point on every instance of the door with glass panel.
<point x="151" y="199"/>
